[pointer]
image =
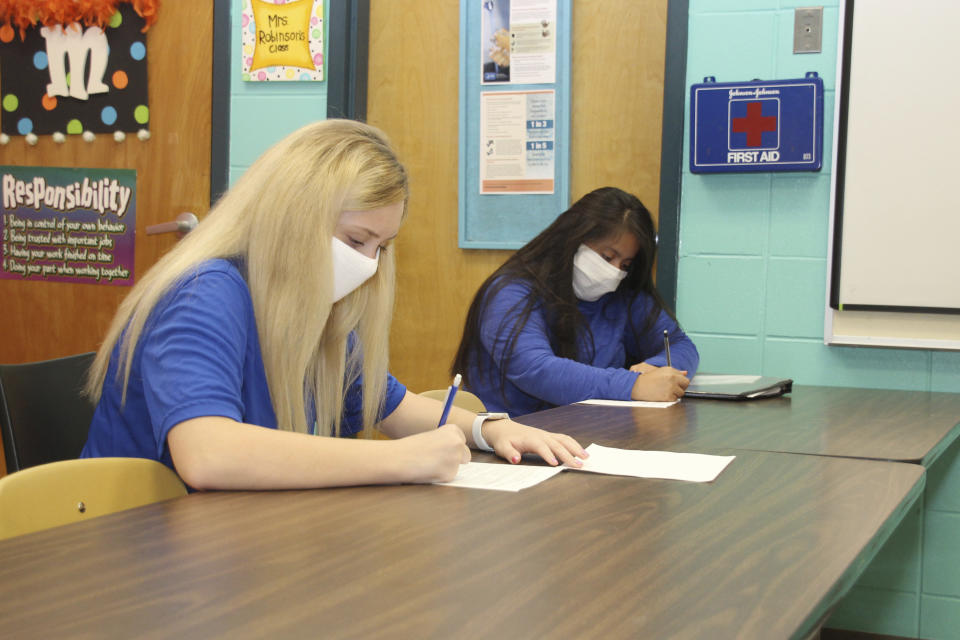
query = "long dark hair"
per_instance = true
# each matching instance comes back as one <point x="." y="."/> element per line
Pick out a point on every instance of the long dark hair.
<point x="545" y="264"/>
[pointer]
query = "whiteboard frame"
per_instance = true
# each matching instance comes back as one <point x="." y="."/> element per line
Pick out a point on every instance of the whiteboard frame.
<point x="896" y="329"/>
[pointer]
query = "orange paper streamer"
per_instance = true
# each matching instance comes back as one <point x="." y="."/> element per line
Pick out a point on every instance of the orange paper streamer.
<point x="23" y="14"/>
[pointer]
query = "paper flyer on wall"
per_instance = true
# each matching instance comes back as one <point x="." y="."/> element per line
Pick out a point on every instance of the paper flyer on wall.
<point x="517" y="136"/>
<point x="519" y="42"/>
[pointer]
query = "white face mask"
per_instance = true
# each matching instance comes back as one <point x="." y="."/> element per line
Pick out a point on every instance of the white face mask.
<point x="593" y="276"/>
<point x="350" y="268"/>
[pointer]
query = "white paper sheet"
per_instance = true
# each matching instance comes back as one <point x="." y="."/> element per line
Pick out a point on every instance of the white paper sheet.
<point x="693" y="467"/>
<point x="500" y="477"/>
<point x="707" y="379"/>
<point x="630" y="403"/>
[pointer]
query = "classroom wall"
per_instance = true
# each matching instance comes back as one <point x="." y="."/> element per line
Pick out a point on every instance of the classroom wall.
<point x="617" y="99"/>
<point x="751" y="290"/>
<point x="752" y="264"/>
<point x="616" y="105"/>
<point x="262" y="113"/>
<point x="412" y="90"/>
<point x="752" y="267"/>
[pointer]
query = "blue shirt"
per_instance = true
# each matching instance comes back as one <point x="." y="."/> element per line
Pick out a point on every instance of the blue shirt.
<point x="199" y="355"/>
<point x="536" y="378"/>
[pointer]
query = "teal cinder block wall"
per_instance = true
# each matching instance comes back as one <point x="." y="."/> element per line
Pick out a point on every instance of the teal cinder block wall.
<point x="751" y="291"/>
<point x="912" y="587"/>
<point x="752" y="270"/>
<point x="261" y="113"/>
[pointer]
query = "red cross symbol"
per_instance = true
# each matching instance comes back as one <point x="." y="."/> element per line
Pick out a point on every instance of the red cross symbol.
<point x="754" y="124"/>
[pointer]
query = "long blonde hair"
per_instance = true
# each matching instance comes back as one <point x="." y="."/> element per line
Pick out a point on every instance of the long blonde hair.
<point x="279" y="218"/>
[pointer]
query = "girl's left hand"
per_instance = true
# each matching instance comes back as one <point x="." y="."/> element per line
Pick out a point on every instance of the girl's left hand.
<point x="511" y="439"/>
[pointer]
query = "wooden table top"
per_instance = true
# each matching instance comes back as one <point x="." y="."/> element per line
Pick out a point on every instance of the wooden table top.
<point x="906" y="426"/>
<point x="762" y="552"/>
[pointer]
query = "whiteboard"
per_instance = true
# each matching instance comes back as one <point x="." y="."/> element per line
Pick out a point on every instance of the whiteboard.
<point x="895" y="214"/>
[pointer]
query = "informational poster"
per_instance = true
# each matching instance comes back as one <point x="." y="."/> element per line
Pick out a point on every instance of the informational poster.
<point x="68" y="224"/>
<point x="282" y="41"/>
<point x="519" y="41"/>
<point x="73" y="77"/>
<point x="517" y="136"/>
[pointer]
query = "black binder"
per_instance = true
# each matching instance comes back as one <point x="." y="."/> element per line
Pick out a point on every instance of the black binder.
<point x="730" y="387"/>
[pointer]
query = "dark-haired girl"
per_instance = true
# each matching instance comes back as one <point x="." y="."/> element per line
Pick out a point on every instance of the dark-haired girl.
<point x="574" y="315"/>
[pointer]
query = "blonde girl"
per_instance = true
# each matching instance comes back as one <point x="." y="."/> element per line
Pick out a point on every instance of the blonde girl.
<point x="250" y="352"/>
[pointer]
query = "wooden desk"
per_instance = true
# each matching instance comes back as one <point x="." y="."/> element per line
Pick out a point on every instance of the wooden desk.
<point x="907" y="426"/>
<point x="762" y="552"/>
<point x="893" y="598"/>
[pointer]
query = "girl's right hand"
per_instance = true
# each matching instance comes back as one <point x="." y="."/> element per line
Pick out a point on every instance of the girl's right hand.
<point x="663" y="384"/>
<point x="435" y="455"/>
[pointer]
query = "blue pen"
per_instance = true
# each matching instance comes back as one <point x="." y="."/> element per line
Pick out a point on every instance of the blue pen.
<point x="448" y="402"/>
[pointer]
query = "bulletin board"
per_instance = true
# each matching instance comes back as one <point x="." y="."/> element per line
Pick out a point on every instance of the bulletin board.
<point x="508" y="220"/>
<point x="894" y="261"/>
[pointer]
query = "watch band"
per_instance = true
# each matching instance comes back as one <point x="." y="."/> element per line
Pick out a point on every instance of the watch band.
<point x="478" y="435"/>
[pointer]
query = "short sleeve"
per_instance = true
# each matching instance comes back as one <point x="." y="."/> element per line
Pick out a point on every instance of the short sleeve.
<point x="352" y="421"/>
<point x="193" y="351"/>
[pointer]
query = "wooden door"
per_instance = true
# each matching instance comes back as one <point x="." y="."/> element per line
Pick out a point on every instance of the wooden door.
<point x="617" y="105"/>
<point x="41" y="320"/>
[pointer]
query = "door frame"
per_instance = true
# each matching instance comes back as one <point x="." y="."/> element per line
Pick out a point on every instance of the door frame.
<point x="671" y="153"/>
<point x="346" y="76"/>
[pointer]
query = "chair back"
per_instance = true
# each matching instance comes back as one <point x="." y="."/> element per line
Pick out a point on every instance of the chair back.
<point x="44" y="415"/>
<point x="50" y="495"/>
<point x="463" y="399"/>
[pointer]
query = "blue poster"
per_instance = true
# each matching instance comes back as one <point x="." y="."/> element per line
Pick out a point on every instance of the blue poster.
<point x="757" y="126"/>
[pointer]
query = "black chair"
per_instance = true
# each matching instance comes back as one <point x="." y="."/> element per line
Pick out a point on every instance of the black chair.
<point x="44" y="416"/>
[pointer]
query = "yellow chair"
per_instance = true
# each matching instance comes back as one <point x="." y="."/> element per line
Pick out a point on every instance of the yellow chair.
<point x="49" y="495"/>
<point x="463" y="399"/>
